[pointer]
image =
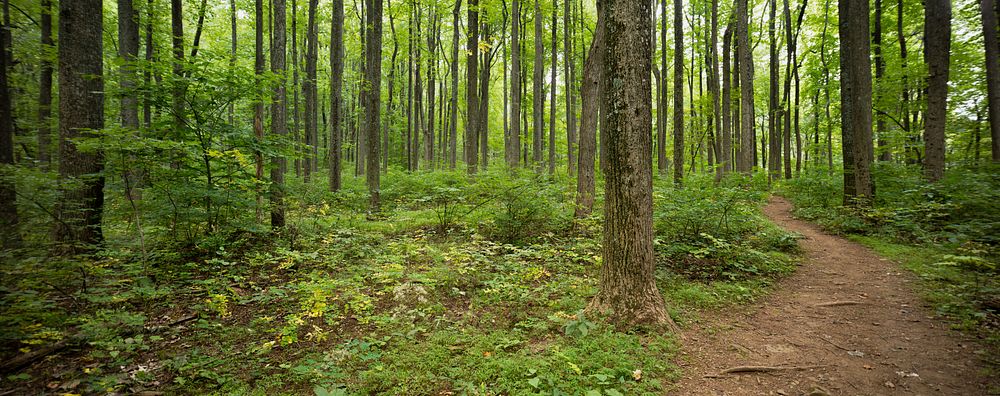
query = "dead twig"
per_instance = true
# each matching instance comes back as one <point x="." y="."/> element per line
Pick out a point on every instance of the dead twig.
<point x="838" y="303"/>
<point x="758" y="369"/>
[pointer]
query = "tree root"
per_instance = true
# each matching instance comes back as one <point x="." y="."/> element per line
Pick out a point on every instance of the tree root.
<point x="758" y="369"/>
<point x="838" y="303"/>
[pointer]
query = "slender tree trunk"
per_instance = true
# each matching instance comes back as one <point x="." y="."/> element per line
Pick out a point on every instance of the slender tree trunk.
<point x="81" y="112"/>
<point x="568" y="91"/>
<point x="661" y="108"/>
<point x="590" y="93"/>
<point x="278" y="113"/>
<point x="128" y="52"/>
<point x="9" y="235"/>
<point x="472" y="89"/>
<point x="884" y="153"/>
<point x="678" y="92"/>
<point x="713" y="87"/>
<point x="373" y="113"/>
<point x="336" y="92"/>
<point x="453" y="128"/>
<point x="538" y="97"/>
<point x="989" y="12"/>
<point x="746" y="158"/>
<point x="627" y="290"/>
<point x="856" y="96"/>
<point x="513" y="149"/>
<point x="773" y="109"/>
<point x="727" y="123"/>
<point x="937" y="53"/>
<point x="484" y="100"/>
<point x="552" y="95"/>
<point x="177" y="39"/>
<point x="258" y="113"/>
<point x="786" y="105"/>
<point x="418" y="91"/>
<point x="904" y="77"/>
<point x="296" y="133"/>
<point x="45" y="89"/>
<point x="431" y="74"/>
<point x="310" y="92"/>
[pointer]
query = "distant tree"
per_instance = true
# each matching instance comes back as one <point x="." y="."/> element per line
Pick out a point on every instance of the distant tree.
<point x="538" y="98"/>
<point x="45" y="88"/>
<point x="81" y="115"/>
<point x="590" y="96"/>
<point x="279" y="123"/>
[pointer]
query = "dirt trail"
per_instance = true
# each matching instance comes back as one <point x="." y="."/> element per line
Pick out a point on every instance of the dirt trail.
<point x="847" y="318"/>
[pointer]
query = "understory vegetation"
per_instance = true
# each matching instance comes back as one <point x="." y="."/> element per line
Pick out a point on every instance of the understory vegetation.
<point x="465" y="287"/>
<point x="947" y="233"/>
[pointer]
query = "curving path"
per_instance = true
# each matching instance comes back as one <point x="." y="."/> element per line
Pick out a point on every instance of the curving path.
<point x="846" y="323"/>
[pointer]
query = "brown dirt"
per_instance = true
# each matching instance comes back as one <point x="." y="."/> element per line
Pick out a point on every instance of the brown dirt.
<point x="848" y="318"/>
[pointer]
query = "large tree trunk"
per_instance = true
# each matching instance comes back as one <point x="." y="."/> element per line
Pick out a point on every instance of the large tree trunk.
<point x="990" y="13"/>
<point x="128" y="51"/>
<point x="472" y="89"/>
<point x="773" y="109"/>
<point x="81" y="113"/>
<point x="745" y="161"/>
<point x="713" y="87"/>
<point x="336" y="92"/>
<point x="45" y="89"/>
<point x="678" y="92"/>
<point x="856" y="96"/>
<point x="483" y="130"/>
<point x="538" y="98"/>
<point x="309" y="91"/>
<point x="937" y="52"/>
<point x="569" y="71"/>
<point x="727" y="126"/>
<point x="590" y="93"/>
<point x="373" y="96"/>
<point x="11" y="238"/>
<point x="627" y="291"/>
<point x="278" y="113"/>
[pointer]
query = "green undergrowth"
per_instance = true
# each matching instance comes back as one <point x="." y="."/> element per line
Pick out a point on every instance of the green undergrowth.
<point x="460" y="286"/>
<point x="947" y="233"/>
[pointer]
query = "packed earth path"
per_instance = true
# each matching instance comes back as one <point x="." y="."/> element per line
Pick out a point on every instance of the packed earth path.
<point x="848" y="322"/>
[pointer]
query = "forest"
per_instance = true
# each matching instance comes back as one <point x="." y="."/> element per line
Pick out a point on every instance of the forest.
<point x="499" y="197"/>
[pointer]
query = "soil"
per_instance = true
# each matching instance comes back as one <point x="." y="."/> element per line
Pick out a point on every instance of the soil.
<point x="848" y="322"/>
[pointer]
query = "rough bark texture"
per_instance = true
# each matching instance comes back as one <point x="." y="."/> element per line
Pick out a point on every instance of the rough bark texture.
<point x="990" y="27"/>
<point x="715" y="120"/>
<point x="128" y="52"/>
<point x="880" y="124"/>
<point x="773" y="111"/>
<point x="336" y="92"/>
<point x="177" y="41"/>
<point x="569" y="71"/>
<point x="552" y="96"/>
<point x="453" y="128"/>
<point x="309" y="91"/>
<point x="627" y="290"/>
<point x="661" y="108"/>
<point x="45" y="89"/>
<point x="678" y="92"/>
<point x="856" y="97"/>
<point x="513" y="147"/>
<point x="745" y="161"/>
<point x="431" y="74"/>
<point x="373" y="96"/>
<point x="538" y="97"/>
<point x="590" y="91"/>
<point x="472" y="89"/>
<point x="937" y="48"/>
<point x="727" y="126"/>
<point x="8" y="205"/>
<point x="81" y="110"/>
<point x="278" y="113"/>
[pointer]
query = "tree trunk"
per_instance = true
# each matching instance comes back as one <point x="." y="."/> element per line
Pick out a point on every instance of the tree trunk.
<point x="45" y="89"/>
<point x="937" y="52"/>
<point x="627" y="290"/>
<point x="590" y="93"/>
<point x="472" y="89"/>
<point x="880" y="125"/>
<point x="513" y="148"/>
<point x="128" y="52"/>
<point x="11" y="238"/>
<point x="552" y="95"/>
<point x="568" y="92"/>
<point x="453" y="128"/>
<point x="177" y="40"/>
<point x="336" y="92"/>
<point x="278" y="113"/>
<point x="309" y="91"/>
<point x="661" y="108"/>
<point x="538" y="97"/>
<point x="373" y="96"/>
<point x="856" y="96"/>
<point x="713" y="88"/>
<point x="773" y="109"/>
<point x="727" y="123"/>
<point x="905" y="100"/>
<point x="678" y="92"/>
<point x="786" y="105"/>
<point x="81" y="112"/>
<point x="746" y="160"/>
<point x="484" y="100"/>
<point x="990" y="27"/>
<point x="431" y="74"/>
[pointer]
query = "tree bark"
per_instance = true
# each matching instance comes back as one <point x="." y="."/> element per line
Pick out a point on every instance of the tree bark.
<point x="937" y="52"/>
<point x="472" y="89"/>
<point x="746" y="160"/>
<point x="552" y="95"/>
<point x="884" y="153"/>
<point x="727" y="123"/>
<point x="336" y="92"/>
<point x="713" y="87"/>
<point x="431" y="74"/>
<point x="258" y="113"/>
<point x="590" y="93"/>
<point x="453" y="128"/>
<point x="569" y="93"/>
<point x="678" y="92"/>
<point x="309" y="91"/>
<point x="11" y="238"/>
<point x="990" y="28"/>
<point x="81" y="113"/>
<point x="627" y="291"/>
<point x="856" y="97"/>
<point x="45" y="88"/>
<point x="513" y="148"/>
<point x="773" y="109"/>
<point x="538" y="98"/>
<point x="373" y="96"/>
<point x="128" y="52"/>
<point x="279" y="124"/>
<point x="661" y="108"/>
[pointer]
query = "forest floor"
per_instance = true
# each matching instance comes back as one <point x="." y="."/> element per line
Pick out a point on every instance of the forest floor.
<point x="848" y="322"/>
